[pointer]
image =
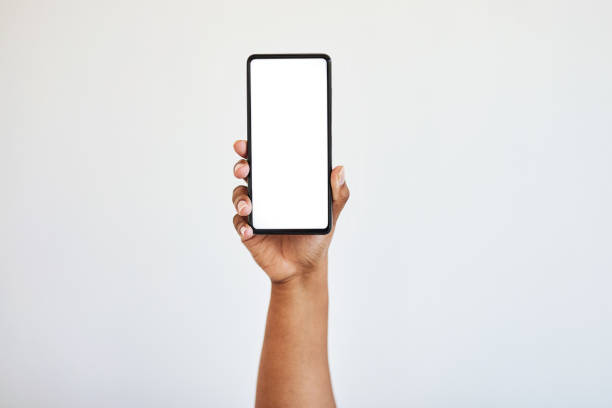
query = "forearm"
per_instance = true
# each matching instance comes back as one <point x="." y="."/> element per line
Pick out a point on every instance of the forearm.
<point x="294" y="370"/>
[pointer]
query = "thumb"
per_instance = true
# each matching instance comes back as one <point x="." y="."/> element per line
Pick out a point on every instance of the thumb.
<point x="340" y="191"/>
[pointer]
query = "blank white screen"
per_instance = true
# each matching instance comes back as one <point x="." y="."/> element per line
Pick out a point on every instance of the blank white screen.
<point x="289" y="170"/>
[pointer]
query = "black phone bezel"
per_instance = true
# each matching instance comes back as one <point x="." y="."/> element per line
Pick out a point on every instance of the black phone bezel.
<point x="297" y="231"/>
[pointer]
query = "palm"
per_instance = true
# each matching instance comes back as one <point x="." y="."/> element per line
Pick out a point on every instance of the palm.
<point x="281" y="256"/>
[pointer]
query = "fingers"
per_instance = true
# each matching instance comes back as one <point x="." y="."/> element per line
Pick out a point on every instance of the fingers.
<point x="241" y="169"/>
<point x="240" y="197"/>
<point x="242" y="228"/>
<point x="240" y="147"/>
<point x="241" y="201"/>
<point x="340" y="191"/>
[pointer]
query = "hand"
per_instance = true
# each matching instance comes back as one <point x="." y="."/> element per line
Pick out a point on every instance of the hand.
<point x="284" y="257"/>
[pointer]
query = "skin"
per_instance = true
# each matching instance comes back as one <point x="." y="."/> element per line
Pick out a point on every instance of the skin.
<point x="294" y="369"/>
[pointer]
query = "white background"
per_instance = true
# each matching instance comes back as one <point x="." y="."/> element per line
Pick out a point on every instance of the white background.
<point x="289" y="153"/>
<point x="471" y="267"/>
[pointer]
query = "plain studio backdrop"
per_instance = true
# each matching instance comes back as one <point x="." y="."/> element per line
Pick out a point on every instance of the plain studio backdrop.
<point x="472" y="266"/>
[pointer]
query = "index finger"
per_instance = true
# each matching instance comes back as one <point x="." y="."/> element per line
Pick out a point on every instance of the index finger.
<point x="240" y="147"/>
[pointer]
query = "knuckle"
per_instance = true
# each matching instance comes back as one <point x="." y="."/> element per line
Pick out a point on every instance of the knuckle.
<point x="240" y="194"/>
<point x="238" y="190"/>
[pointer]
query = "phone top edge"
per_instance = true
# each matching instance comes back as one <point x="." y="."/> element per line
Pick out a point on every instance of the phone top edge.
<point x="288" y="56"/>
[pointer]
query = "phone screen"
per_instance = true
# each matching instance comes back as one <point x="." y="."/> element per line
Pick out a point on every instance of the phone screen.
<point x="289" y="143"/>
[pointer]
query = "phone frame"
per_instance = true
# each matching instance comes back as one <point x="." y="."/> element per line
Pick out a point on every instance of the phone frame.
<point x="321" y="231"/>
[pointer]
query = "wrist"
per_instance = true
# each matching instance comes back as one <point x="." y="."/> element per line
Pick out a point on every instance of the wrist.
<point x="308" y="280"/>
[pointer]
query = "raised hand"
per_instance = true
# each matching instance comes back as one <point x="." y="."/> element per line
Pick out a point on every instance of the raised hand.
<point x="284" y="257"/>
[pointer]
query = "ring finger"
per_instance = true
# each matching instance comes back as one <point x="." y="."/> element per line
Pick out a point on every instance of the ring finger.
<point x="241" y="201"/>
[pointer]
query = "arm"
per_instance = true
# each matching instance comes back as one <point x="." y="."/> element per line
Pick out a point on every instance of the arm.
<point x="294" y="370"/>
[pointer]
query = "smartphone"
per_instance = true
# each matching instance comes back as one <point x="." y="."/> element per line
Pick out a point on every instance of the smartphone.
<point x="289" y="143"/>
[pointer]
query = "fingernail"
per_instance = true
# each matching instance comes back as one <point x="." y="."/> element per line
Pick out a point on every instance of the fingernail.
<point x="241" y="206"/>
<point x="246" y="232"/>
<point x="341" y="177"/>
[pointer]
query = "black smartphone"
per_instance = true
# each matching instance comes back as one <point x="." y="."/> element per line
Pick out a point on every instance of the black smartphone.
<point x="289" y="143"/>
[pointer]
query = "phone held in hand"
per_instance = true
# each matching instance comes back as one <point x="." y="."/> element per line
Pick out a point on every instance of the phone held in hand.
<point x="289" y="143"/>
